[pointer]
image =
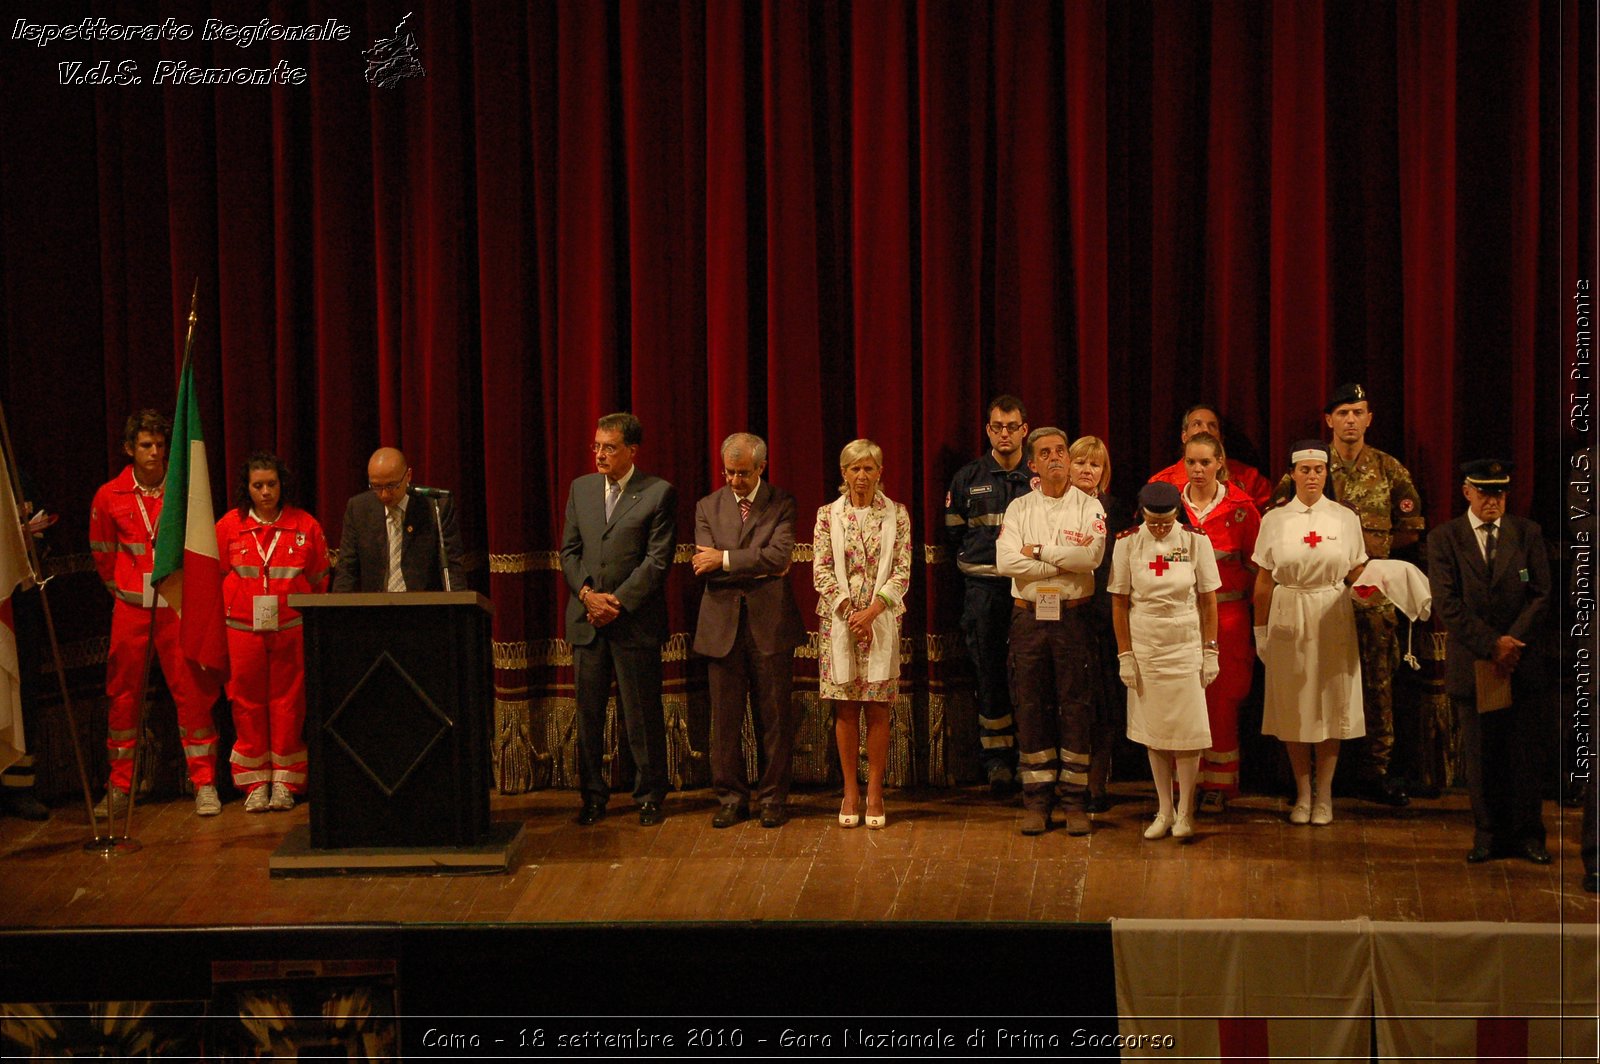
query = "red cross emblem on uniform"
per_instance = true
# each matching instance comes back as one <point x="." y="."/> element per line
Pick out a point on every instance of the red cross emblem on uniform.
<point x="1160" y="564"/>
<point x="1312" y="538"/>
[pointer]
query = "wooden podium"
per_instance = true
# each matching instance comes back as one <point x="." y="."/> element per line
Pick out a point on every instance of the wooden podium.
<point x="399" y="707"/>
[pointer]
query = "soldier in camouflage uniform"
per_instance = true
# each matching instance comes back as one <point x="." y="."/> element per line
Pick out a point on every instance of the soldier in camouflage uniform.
<point x="1380" y="490"/>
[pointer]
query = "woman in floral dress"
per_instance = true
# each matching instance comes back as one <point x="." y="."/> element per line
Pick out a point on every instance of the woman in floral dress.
<point x="861" y="568"/>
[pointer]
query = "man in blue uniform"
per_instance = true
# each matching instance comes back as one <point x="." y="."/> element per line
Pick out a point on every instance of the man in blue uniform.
<point x="979" y="494"/>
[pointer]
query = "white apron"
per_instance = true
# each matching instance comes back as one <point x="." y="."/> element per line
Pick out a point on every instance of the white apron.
<point x="1313" y="688"/>
<point x="1167" y="708"/>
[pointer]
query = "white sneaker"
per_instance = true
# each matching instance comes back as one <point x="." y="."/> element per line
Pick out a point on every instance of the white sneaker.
<point x="114" y="806"/>
<point x="256" y="800"/>
<point x="282" y="798"/>
<point x="206" y="802"/>
<point x="1158" y="827"/>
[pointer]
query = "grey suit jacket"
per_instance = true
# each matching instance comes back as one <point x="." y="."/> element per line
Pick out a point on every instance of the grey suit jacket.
<point x="759" y="552"/>
<point x="627" y="556"/>
<point x="1477" y="607"/>
<point x="363" y="563"/>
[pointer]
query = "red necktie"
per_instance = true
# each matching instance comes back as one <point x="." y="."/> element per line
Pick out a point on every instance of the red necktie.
<point x="744" y="509"/>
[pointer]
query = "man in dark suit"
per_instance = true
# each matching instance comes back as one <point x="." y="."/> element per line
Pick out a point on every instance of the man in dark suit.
<point x="393" y="523"/>
<point x="615" y="551"/>
<point x="749" y="626"/>
<point x="1490" y="584"/>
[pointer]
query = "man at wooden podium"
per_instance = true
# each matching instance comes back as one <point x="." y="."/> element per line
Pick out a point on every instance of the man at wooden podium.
<point x="390" y="540"/>
<point x="749" y="626"/>
<point x="615" y="550"/>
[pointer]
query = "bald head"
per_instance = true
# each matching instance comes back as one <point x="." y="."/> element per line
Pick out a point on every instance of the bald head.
<point x="387" y="474"/>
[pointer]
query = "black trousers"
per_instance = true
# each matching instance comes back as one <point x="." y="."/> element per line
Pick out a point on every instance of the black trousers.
<point x="1504" y="792"/>
<point x="1053" y="675"/>
<point x="985" y="624"/>
<point x="767" y="681"/>
<point x="637" y="671"/>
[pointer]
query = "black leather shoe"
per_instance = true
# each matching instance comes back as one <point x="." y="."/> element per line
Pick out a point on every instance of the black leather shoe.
<point x="1591" y="882"/>
<point x="1096" y="803"/>
<point x="1531" y="851"/>
<point x="1388" y="792"/>
<point x="650" y="814"/>
<point x="727" y="816"/>
<point x="590" y="813"/>
<point x="773" y="816"/>
<point x="1479" y="854"/>
<point x="20" y="802"/>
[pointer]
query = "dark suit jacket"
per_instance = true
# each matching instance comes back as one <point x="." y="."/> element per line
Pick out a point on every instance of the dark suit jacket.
<point x="759" y="551"/>
<point x="627" y="556"/>
<point x="1478" y="607"/>
<point x="363" y="563"/>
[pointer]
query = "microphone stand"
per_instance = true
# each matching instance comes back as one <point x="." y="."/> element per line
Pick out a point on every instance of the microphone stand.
<point x="444" y="560"/>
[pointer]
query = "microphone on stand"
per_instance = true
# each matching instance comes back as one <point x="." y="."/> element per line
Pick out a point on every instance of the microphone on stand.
<point x="430" y="493"/>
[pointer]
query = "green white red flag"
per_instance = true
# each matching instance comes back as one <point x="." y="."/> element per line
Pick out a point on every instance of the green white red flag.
<point x="188" y="568"/>
<point x="14" y="572"/>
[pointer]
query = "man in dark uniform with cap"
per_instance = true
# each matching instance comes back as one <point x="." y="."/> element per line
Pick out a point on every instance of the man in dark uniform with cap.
<point x="1491" y="583"/>
<point x="979" y="494"/>
<point x="1381" y="492"/>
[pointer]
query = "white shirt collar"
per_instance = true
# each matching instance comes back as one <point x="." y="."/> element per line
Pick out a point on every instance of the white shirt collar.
<point x="1478" y="522"/>
<point x="753" y="493"/>
<point x="623" y="483"/>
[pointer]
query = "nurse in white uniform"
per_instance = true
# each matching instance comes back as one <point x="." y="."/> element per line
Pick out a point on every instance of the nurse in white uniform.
<point x="1164" y="610"/>
<point x="1309" y="552"/>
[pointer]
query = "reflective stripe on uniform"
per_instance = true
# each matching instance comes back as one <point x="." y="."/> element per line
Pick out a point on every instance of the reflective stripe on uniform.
<point x="1232" y="596"/>
<point x="1036" y="757"/>
<point x="1224" y="778"/>
<point x="951" y="520"/>
<point x="101" y="548"/>
<point x="1222" y="756"/>
<point x="1036" y="775"/>
<point x="249" y="572"/>
<point x="995" y="723"/>
<point x="247" y="762"/>
<point x="245" y="779"/>
<point x="132" y="548"/>
<point x="968" y="569"/>
<point x="989" y="520"/>
<point x="284" y="572"/>
<point x="1075" y="777"/>
<point x="245" y="626"/>
<point x="996" y="742"/>
<point x="120" y="753"/>
<point x="280" y="775"/>
<point x="122" y="734"/>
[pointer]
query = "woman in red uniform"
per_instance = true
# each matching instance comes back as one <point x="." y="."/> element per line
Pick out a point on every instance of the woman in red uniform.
<point x="271" y="551"/>
<point x="1228" y="516"/>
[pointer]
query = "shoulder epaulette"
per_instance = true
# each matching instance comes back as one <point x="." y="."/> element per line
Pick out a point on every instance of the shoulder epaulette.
<point x="1196" y="531"/>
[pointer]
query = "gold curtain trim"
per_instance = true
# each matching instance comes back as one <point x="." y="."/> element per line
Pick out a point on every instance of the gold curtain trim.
<point x="62" y="564"/>
<point x="527" y="562"/>
<point x="935" y="554"/>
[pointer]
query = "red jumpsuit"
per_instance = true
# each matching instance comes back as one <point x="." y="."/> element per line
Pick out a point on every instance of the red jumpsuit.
<point x="1257" y="488"/>
<point x="1231" y="526"/>
<point x="122" y="527"/>
<point x="267" y="673"/>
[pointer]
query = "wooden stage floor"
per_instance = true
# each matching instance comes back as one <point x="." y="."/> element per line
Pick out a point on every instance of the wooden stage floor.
<point x="948" y="855"/>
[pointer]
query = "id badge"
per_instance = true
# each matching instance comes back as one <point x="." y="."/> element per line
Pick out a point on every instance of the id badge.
<point x="264" y="613"/>
<point x="147" y="591"/>
<point x="1047" y="607"/>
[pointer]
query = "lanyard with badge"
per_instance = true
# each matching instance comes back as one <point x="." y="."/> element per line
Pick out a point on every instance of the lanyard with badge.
<point x="147" y="590"/>
<point x="264" y="607"/>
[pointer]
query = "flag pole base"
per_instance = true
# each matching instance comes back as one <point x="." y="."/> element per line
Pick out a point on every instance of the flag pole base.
<point x="112" y="845"/>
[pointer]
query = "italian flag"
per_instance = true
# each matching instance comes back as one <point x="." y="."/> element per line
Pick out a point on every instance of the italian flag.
<point x="14" y="572"/>
<point x="188" y="568"/>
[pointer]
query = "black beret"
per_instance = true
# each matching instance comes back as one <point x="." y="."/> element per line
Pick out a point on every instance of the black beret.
<point x="1346" y="393"/>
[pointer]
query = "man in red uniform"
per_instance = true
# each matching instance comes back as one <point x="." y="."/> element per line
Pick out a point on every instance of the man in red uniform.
<point x="122" y="533"/>
<point x="1202" y="417"/>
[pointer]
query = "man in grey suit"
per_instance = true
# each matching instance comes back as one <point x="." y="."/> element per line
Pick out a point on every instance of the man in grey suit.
<point x="393" y="520"/>
<point x="615" y="551"/>
<point x="1490" y="585"/>
<point x="749" y="626"/>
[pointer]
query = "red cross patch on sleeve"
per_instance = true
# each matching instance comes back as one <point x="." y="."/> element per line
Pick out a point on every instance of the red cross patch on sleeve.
<point x="1100" y="526"/>
<point x="947" y="500"/>
<point x="1407" y="505"/>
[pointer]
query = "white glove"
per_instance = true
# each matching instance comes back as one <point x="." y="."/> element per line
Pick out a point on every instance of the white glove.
<point x="1260" y="632"/>
<point x="1128" y="669"/>
<point x="1209" y="666"/>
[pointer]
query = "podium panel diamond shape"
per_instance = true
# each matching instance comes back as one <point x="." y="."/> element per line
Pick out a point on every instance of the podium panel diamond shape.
<point x="388" y="724"/>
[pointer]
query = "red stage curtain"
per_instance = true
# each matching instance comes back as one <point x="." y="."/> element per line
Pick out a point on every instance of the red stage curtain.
<point x="813" y="220"/>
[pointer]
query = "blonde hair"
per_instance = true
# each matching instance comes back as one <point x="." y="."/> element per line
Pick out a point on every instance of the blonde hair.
<point x="853" y="452"/>
<point x="1093" y="447"/>
<point x="1216" y="450"/>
